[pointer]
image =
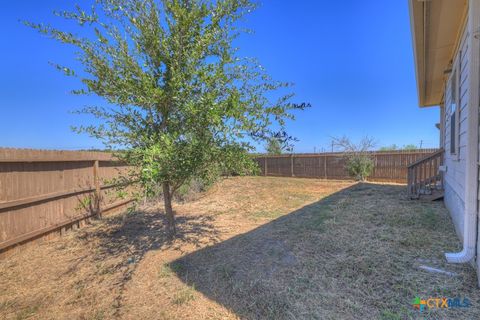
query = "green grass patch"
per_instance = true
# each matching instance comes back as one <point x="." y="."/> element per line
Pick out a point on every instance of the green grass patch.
<point x="184" y="296"/>
<point x="165" y="271"/>
<point x="27" y="313"/>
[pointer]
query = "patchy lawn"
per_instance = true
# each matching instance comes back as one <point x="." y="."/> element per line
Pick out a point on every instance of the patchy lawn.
<point x="251" y="248"/>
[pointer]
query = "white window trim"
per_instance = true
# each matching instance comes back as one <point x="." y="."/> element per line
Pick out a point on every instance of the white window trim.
<point x="456" y="71"/>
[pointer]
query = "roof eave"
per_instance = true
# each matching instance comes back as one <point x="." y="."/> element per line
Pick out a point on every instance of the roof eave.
<point x="419" y="77"/>
<point x="436" y="29"/>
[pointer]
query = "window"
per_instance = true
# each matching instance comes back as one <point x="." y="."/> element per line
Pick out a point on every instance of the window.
<point x="454" y="109"/>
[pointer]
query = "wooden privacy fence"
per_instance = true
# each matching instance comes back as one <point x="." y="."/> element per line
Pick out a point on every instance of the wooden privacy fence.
<point x="389" y="166"/>
<point x="45" y="192"/>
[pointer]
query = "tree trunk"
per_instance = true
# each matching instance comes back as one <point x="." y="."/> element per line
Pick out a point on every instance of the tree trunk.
<point x="167" y="199"/>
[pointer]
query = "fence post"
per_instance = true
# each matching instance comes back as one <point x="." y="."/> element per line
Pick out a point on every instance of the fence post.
<point x="325" y="166"/>
<point x="291" y="165"/>
<point x="319" y="158"/>
<point x="265" y="165"/>
<point x="96" y="180"/>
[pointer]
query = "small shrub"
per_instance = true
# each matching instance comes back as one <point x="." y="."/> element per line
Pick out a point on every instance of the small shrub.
<point x="359" y="163"/>
<point x="240" y="164"/>
<point x="359" y="166"/>
<point x="190" y="190"/>
<point x="274" y="146"/>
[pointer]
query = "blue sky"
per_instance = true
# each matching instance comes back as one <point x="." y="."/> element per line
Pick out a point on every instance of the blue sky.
<point x="352" y="60"/>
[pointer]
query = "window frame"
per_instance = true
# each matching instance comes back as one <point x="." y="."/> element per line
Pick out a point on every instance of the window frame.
<point x="454" y="101"/>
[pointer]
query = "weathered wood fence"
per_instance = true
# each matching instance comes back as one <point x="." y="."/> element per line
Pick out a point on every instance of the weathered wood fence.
<point x="43" y="193"/>
<point x="389" y="166"/>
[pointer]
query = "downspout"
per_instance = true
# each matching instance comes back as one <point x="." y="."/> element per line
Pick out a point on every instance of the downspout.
<point x="472" y="148"/>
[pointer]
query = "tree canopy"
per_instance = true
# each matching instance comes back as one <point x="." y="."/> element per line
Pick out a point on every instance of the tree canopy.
<point x="180" y="100"/>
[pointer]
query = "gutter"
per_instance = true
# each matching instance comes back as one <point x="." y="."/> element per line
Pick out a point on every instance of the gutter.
<point x="472" y="149"/>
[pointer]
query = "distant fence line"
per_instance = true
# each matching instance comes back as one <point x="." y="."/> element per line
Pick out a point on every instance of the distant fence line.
<point x="389" y="166"/>
<point x="46" y="192"/>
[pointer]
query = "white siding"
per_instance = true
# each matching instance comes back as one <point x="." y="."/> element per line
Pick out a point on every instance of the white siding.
<point x="455" y="175"/>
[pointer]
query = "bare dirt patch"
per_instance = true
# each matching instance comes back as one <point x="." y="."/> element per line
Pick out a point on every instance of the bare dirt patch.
<point x="252" y="248"/>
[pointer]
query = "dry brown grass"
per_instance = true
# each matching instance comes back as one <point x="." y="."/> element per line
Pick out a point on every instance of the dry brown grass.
<point x="253" y="248"/>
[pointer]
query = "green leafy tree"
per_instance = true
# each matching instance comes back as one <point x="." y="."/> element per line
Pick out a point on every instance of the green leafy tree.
<point x="181" y="102"/>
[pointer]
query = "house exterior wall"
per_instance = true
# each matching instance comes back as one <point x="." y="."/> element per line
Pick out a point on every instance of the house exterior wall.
<point x="474" y="27"/>
<point x="461" y="169"/>
<point x="454" y="177"/>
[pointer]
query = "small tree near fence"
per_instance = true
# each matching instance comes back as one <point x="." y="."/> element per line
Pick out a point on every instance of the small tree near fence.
<point x="359" y="161"/>
<point x="276" y="145"/>
<point x="181" y="102"/>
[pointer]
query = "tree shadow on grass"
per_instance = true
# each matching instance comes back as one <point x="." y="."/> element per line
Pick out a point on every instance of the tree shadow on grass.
<point x="119" y="243"/>
<point x="341" y="257"/>
<point x="139" y="232"/>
